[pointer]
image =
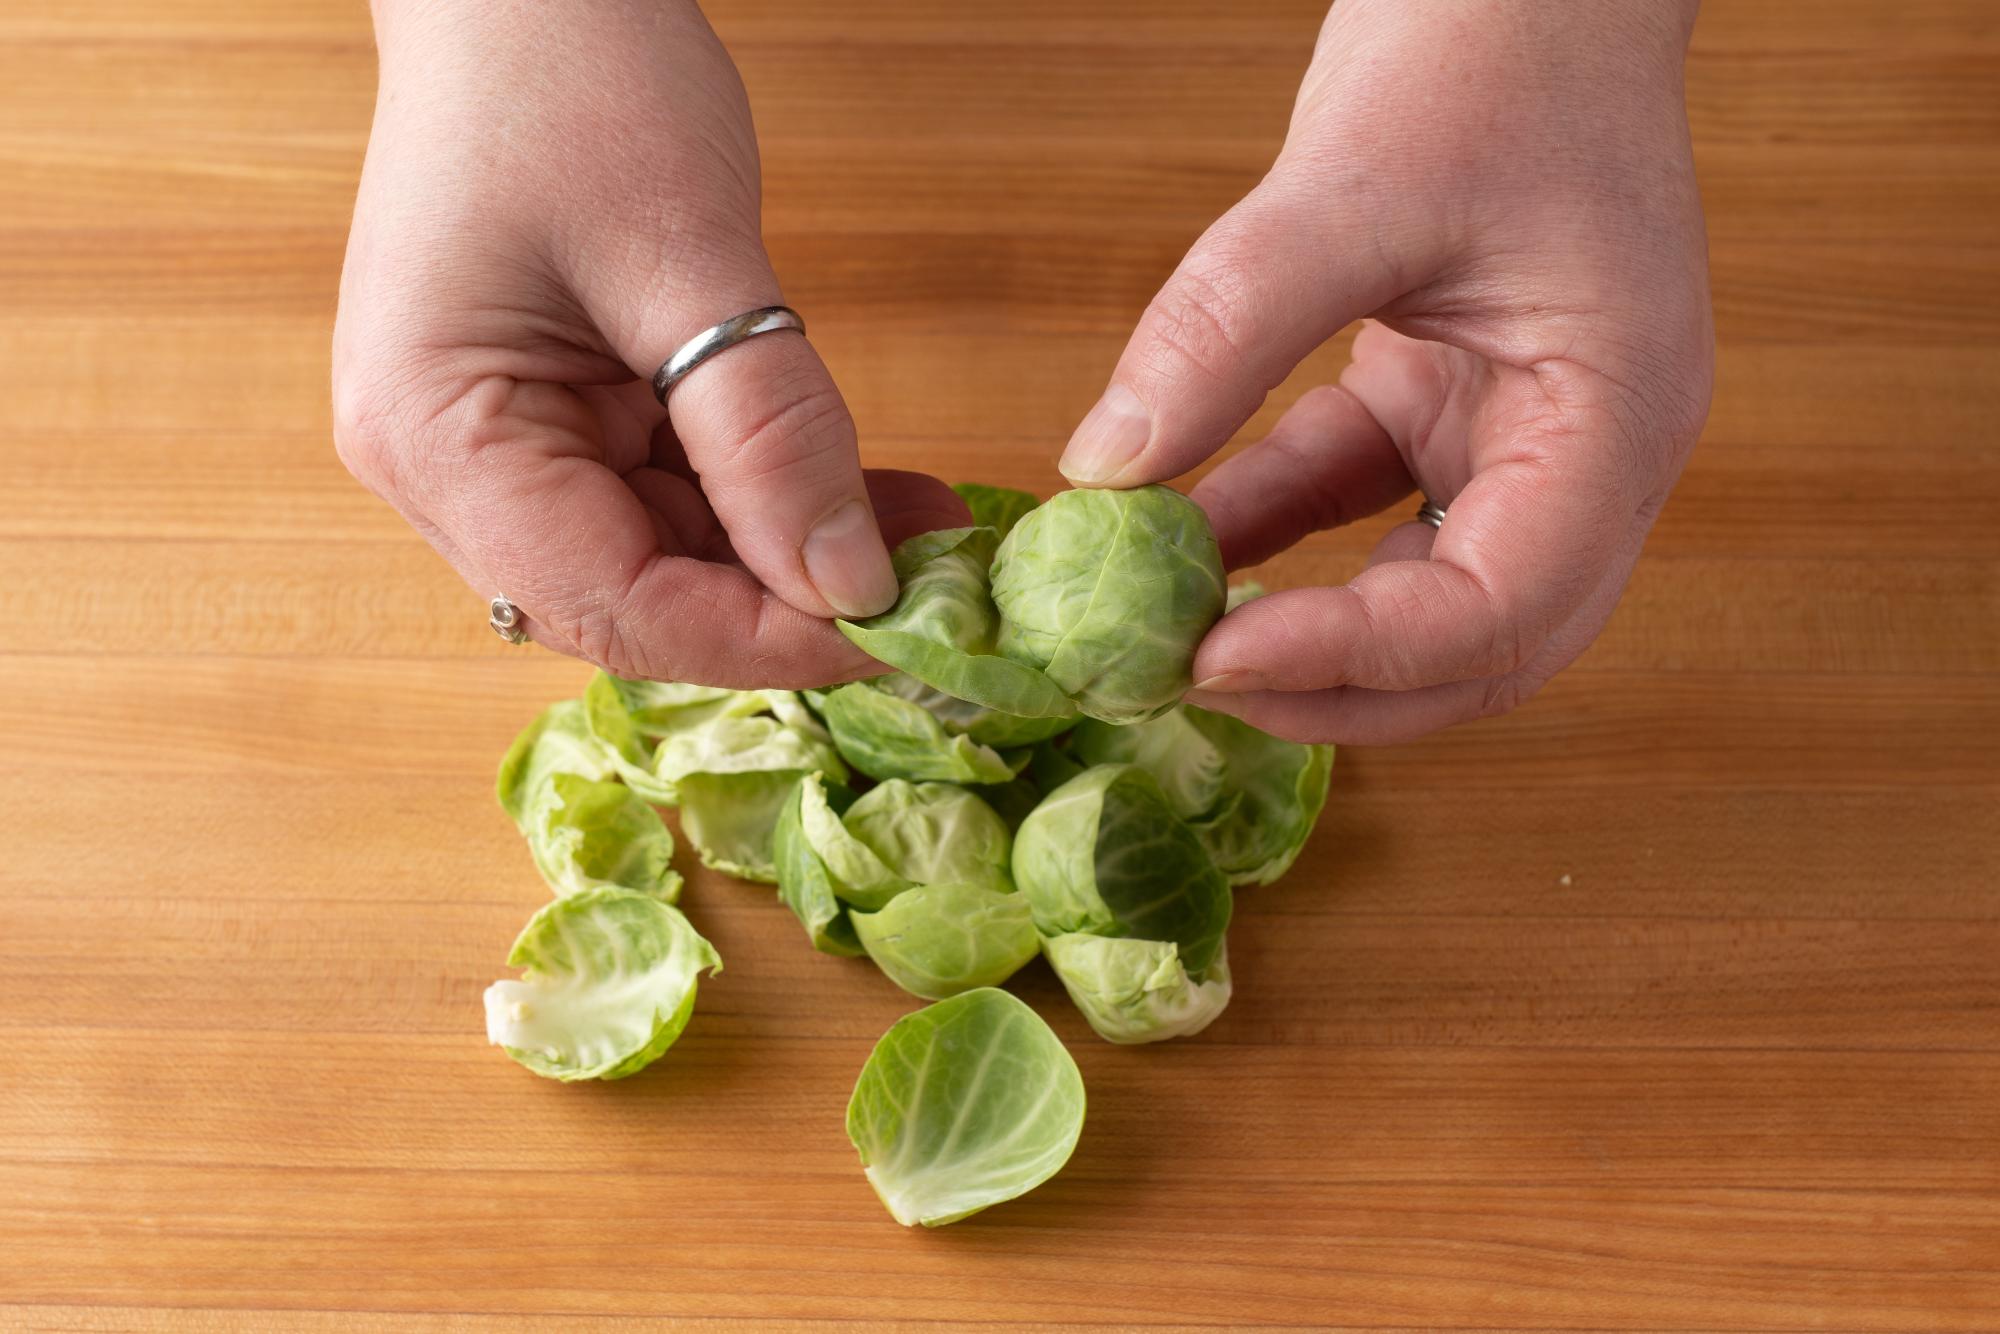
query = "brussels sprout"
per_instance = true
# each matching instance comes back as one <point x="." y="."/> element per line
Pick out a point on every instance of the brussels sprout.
<point x="804" y="885"/>
<point x="1105" y="854"/>
<point x="932" y="834"/>
<point x="1276" y="789"/>
<point x="943" y="627"/>
<point x="902" y="834"/>
<point x="1137" y="990"/>
<point x="1252" y="798"/>
<point x="1188" y="766"/>
<point x="885" y="736"/>
<point x="962" y="1105"/>
<point x="733" y="745"/>
<point x="558" y="742"/>
<point x="653" y="709"/>
<point x="935" y="941"/>
<point x="995" y="507"/>
<point x="587" y="833"/>
<point x="988" y="727"/>
<point x="1108" y="593"/>
<point x="607" y="984"/>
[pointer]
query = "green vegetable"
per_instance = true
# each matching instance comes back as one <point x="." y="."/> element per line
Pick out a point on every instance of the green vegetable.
<point x="607" y="984"/>
<point x="1137" y="990"/>
<point x="804" y="885"/>
<point x="932" y="834"/>
<point x="938" y="940"/>
<point x="1252" y="798"/>
<point x="586" y="833"/>
<point x="995" y="507"/>
<point x="1094" y="602"/>
<point x="558" y="742"/>
<point x="1108" y="593"/>
<point x="885" y="736"/>
<point x="732" y="776"/>
<point x="943" y="626"/>
<point x="1106" y="855"/>
<point x="963" y="1105"/>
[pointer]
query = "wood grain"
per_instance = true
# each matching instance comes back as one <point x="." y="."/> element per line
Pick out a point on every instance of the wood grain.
<point x="1670" y="1002"/>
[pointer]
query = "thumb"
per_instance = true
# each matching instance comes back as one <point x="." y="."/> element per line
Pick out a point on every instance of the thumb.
<point x="765" y="429"/>
<point x="1268" y="282"/>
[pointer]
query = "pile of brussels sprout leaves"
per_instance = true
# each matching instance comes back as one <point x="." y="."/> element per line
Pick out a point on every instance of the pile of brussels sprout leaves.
<point x="1025" y="782"/>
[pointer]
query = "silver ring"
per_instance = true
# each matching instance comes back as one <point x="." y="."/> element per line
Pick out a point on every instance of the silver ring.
<point x="720" y="338"/>
<point x="503" y="618"/>
<point x="1431" y="512"/>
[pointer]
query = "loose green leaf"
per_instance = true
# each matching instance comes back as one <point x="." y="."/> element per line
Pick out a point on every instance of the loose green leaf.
<point x="732" y="819"/>
<point x="935" y="941"/>
<point x="558" y="742"/>
<point x="885" y="736"/>
<point x="986" y="726"/>
<point x="607" y="984"/>
<point x="605" y="708"/>
<point x="1106" y="855"/>
<point x="942" y="628"/>
<point x="587" y="833"/>
<point x="962" y="1105"/>
<point x="803" y="883"/>
<point x="995" y="507"/>
<point x="734" y="745"/>
<point x="1137" y="990"/>
<point x="856" y="871"/>
<point x="932" y="834"/>
<point x="1107" y="593"/>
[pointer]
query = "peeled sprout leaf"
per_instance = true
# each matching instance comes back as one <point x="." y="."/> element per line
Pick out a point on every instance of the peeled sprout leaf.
<point x="608" y="983"/>
<point x="558" y="742"/>
<point x="804" y="885"/>
<point x="936" y="941"/>
<point x="962" y="1105"/>
<point x="586" y="833"/>
<point x="885" y="736"/>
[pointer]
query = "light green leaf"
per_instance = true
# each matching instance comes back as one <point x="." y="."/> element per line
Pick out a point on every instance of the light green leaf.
<point x="558" y="742"/>
<point x="962" y="1105"/>
<point x="656" y="708"/>
<point x="608" y="982"/>
<point x="587" y="833"/>
<point x="995" y="507"/>
<point x="888" y="737"/>
<point x="1279" y="789"/>
<point x="1137" y="990"/>
<point x="938" y="940"/>
<point x="1108" y="593"/>
<point x="732" y="819"/>
<point x="857" y="873"/>
<point x="1188" y="766"/>
<point x="733" y="745"/>
<point x="943" y="626"/>
<point x="1105" y="854"/>
<point x="932" y="834"/>
<point x="986" y="726"/>
<point x="604" y="705"/>
<point x="803" y="883"/>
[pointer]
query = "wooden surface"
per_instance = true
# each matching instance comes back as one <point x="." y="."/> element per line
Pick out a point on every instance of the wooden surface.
<point x="1671" y="1002"/>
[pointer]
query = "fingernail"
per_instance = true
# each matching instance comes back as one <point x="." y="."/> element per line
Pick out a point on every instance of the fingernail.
<point x="847" y="563"/>
<point x="1109" y="437"/>
<point x="1230" y="683"/>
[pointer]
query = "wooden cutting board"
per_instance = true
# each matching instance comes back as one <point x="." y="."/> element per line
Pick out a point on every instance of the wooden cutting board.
<point x="1671" y="1002"/>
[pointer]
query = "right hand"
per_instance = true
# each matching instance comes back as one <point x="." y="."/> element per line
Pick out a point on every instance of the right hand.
<point x="555" y="198"/>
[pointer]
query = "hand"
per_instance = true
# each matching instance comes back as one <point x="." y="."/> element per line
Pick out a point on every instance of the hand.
<point x="555" y="198"/>
<point x="1507" y="187"/>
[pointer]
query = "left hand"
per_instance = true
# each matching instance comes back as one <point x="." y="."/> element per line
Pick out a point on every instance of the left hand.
<point x="1507" y="187"/>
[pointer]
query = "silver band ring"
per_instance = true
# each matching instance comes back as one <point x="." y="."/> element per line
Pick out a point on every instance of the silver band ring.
<point x="720" y="338"/>
<point x="1431" y="512"/>
<point x="503" y="618"/>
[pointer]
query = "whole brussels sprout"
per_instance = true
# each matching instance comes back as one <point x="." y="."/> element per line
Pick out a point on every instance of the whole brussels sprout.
<point x="1108" y="593"/>
<point x="1094" y="603"/>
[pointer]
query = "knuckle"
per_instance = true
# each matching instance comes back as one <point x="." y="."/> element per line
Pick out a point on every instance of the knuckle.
<point x="807" y="433"/>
